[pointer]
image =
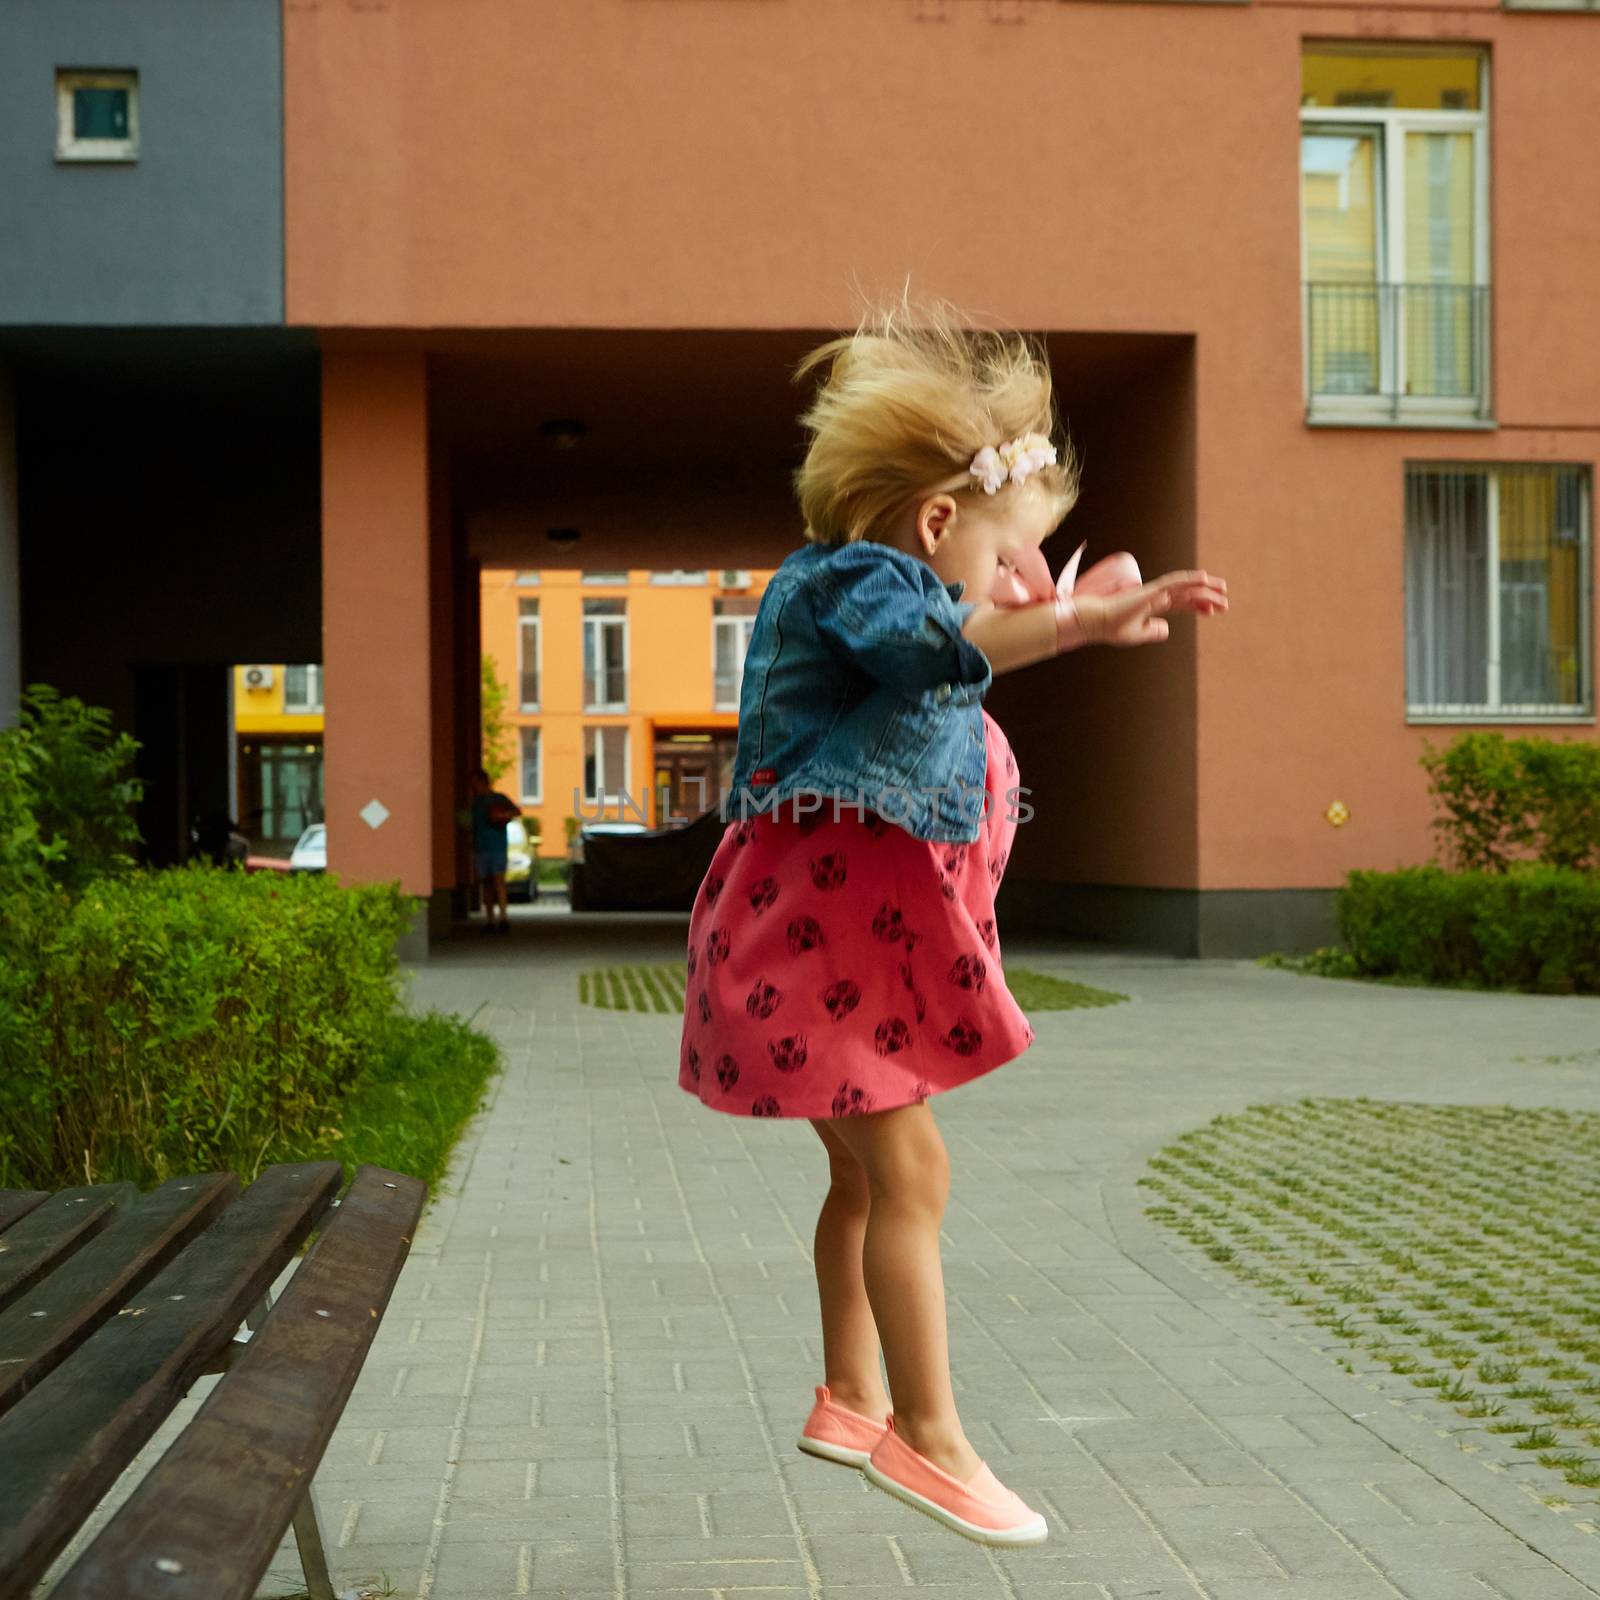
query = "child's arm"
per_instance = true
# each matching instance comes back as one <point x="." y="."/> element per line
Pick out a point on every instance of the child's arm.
<point x="1018" y="636"/>
<point x="1014" y="636"/>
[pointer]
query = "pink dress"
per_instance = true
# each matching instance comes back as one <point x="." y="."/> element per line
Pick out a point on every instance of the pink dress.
<point x="840" y="966"/>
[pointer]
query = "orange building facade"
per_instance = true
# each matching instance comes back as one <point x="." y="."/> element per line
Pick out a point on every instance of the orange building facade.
<point x="1316" y="280"/>
<point x="622" y="690"/>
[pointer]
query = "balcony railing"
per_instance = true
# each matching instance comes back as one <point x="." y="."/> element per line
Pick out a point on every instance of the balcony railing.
<point x="1397" y="352"/>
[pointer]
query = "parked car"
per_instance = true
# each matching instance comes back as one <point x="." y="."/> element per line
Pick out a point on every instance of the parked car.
<point x="266" y="864"/>
<point x="216" y="837"/>
<point x="624" y="866"/>
<point x="522" y="865"/>
<point x="310" y="853"/>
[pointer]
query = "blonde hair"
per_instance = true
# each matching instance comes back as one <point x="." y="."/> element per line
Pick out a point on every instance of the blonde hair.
<point x="910" y="398"/>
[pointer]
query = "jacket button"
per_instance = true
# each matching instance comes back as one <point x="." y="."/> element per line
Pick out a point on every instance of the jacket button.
<point x="942" y="693"/>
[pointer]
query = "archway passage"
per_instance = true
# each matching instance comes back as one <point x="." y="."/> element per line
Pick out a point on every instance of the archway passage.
<point x="605" y="450"/>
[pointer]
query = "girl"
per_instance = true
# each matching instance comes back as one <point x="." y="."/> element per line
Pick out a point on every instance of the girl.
<point x="843" y="963"/>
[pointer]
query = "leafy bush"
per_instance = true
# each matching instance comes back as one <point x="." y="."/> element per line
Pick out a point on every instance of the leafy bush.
<point x="422" y="1082"/>
<point x="1530" y="927"/>
<point x="185" y="1020"/>
<point x="66" y="793"/>
<point x="200" y="1018"/>
<point x="1503" y="798"/>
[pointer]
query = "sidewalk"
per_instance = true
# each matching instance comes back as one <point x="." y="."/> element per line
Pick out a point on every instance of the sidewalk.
<point x="602" y="1349"/>
<point x="592" y="1373"/>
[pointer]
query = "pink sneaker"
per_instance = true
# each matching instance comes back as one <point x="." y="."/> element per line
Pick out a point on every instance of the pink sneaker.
<point x="837" y="1434"/>
<point x="982" y="1508"/>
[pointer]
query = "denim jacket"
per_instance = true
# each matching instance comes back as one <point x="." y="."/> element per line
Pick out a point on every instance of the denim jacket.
<point x="859" y="686"/>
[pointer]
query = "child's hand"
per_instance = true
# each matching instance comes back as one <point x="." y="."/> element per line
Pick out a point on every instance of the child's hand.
<point x="1138" y="616"/>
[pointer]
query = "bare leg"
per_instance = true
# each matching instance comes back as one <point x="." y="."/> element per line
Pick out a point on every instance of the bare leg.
<point x="908" y="1181"/>
<point x="849" y="1335"/>
<point x="499" y="882"/>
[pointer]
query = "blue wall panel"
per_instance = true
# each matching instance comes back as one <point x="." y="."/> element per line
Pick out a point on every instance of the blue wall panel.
<point x="189" y="234"/>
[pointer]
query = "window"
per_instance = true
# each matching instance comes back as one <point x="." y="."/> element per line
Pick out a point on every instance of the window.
<point x="605" y="765"/>
<point x="532" y="767"/>
<point x="1394" y="233"/>
<point x="731" y="627"/>
<point x="605" y="577"/>
<point x="527" y="580"/>
<point x="302" y="689"/>
<point x="97" y="116"/>
<point x="528" y="653"/>
<point x="1499" y="571"/>
<point x="680" y="578"/>
<point x="605" y="655"/>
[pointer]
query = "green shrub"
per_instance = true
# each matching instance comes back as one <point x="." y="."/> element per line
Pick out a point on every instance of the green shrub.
<point x="1531" y="927"/>
<point x="422" y="1081"/>
<point x="1502" y="799"/>
<point x="184" y="1020"/>
<point x="66" y="793"/>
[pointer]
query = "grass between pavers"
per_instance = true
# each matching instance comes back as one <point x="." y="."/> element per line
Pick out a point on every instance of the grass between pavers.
<point x="1458" y="1246"/>
<point x="661" y="988"/>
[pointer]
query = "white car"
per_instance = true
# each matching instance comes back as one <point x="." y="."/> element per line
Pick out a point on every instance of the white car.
<point x="522" y="870"/>
<point x="310" y="853"/>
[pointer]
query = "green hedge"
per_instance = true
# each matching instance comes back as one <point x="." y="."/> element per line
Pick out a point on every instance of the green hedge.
<point x="1503" y="801"/>
<point x="187" y="1020"/>
<point x="1534" y="927"/>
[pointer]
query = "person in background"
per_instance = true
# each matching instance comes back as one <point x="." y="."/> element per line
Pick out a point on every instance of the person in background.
<point x="489" y="811"/>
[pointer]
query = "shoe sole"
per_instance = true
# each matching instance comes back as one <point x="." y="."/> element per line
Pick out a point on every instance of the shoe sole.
<point x="840" y="1453"/>
<point x="1035" y="1532"/>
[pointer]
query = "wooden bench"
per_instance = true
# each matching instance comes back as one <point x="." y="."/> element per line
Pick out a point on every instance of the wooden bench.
<point x="113" y="1303"/>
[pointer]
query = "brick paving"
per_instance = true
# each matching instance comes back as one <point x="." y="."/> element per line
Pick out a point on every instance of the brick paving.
<point x="591" y="1375"/>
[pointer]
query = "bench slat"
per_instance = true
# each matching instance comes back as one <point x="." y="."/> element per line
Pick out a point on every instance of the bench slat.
<point x="64" y="1443"/>
<point x="52" y="1230"/>
<point x="217" y="1502"/>
<point x="17" y="1203"/>
<point x="45" y="1325"/>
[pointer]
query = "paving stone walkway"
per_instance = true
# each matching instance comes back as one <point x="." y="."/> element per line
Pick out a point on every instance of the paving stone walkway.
<point x="591" y="1376"/>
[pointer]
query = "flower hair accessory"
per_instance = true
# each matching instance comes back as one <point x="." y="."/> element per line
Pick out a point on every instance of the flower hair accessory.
<point x="1015" y="462"/>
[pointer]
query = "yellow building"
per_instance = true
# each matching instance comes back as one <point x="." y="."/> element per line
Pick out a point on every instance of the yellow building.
<point x="623" y="689"/>
<point x="277" y="722"/>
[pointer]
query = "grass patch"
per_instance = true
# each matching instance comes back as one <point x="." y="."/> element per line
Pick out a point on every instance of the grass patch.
<point x="1467" y="1236"/>
<point x="406" y="1110"/>
<point x="1037" y="991"/>
<point x="659" y="988"/>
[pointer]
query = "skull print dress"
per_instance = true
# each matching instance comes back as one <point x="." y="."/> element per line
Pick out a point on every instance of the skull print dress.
<point x="838" y="965"/>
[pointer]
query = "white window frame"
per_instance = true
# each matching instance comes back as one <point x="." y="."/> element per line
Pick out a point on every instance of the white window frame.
<point x="1393" y="124"/>
<point x="69" y="147"/>
<point x="606" y="792"/>
<point x="603" y="706"/>
<point x="1492" y="710"/>
<point x="535" y="796"/>
<point x="740" y="624"/>
<point x="609" y="580"/>
<point x="524" y="619"/>
<point x="680" y="578"/>
<point x="314" y="686"/>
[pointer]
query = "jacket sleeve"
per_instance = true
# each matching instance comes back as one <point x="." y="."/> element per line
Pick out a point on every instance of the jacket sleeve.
<point x="889" y="614"/>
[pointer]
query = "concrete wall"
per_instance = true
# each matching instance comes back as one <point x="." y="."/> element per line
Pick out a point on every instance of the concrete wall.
<point x="1063" y="167"/>
<point x="191" y="232"/>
